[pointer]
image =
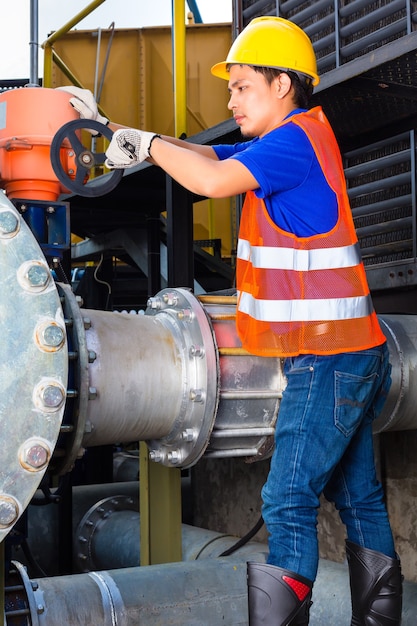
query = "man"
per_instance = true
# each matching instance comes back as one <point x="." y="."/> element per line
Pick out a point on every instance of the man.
<point x="303" y="296"/>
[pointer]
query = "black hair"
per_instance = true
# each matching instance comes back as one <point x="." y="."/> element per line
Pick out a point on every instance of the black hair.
<point x="302" y="84"/>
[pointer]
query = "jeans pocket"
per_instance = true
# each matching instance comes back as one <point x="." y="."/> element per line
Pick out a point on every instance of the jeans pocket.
<point x="383" y="392"/>
<point x="352" y="396"/>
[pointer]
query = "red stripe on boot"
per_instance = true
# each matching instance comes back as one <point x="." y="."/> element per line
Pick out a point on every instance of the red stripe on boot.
<point x="300" y="589"/>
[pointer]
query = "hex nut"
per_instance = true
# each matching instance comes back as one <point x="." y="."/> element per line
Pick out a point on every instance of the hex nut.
<point x="34" y="455"/>
<point x="34" y="276"/>
<point x="9" y="511"/>
<point x="49" y="395"/>
<point x="50" y="336"/>
<point x="9" y="224"/>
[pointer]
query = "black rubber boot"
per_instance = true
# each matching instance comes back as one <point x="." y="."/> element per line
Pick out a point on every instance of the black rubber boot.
<point x="277" y="597"/>
<point x="376" y="587"/>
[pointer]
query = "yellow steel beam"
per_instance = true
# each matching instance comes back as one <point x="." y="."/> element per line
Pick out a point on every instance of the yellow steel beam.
<point x="160" y="491"/>
<point x="57" y="34"/>
<point x="179" y="67"/>
<point x="160" y="512"/>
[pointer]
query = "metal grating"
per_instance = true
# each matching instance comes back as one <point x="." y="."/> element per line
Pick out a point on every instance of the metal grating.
<point x="381" y="188"/>
<point x="356" y="28"/>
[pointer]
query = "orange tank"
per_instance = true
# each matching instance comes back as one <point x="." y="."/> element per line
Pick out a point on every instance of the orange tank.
<point x="29" y="119"/>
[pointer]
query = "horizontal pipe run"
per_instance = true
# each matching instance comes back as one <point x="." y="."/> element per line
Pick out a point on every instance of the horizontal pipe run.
<point x="218" y="299"/>
<point x="208" y="591"/>
<point x="242" y="432"/>
<point x="230" y="454"/>
<point x="257" y="394"/>
<point x="146" y="399"/>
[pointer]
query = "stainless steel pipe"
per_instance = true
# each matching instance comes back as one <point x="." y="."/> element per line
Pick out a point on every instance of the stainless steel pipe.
<point x="399" y="412"/>
<point x="207" y="591"/>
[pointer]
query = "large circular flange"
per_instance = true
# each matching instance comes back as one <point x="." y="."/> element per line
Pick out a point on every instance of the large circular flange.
<point x="85" y="160"/>
<point x="33" y="365"/>
<point x="70" y="441"/>
<point x="90" y="524"/>
<point x="182" y="313"/>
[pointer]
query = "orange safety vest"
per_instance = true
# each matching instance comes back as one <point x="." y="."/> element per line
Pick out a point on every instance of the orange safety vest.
<point x="304" y="295"/>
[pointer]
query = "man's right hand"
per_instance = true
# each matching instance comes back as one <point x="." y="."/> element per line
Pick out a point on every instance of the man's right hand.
<point x="84" y="102"/>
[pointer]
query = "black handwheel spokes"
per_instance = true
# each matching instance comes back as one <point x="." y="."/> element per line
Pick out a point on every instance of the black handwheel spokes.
<point x="85" y="160"/>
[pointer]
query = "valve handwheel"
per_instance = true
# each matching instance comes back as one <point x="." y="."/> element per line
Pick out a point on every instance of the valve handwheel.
<point x="85" y="159"/>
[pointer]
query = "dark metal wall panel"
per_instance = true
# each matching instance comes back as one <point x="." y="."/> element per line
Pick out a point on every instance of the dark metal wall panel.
<point x="381" y="187"/>
<point x="341" y="31"/>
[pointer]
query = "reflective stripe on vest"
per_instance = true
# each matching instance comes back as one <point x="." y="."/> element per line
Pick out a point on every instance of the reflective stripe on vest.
<point x="301" y="295"/>
<point x="264" y="257"/>
<point x="305" y="310"/>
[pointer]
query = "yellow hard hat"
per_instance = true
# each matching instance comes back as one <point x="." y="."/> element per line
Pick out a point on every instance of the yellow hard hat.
<point x="271" y="42"/>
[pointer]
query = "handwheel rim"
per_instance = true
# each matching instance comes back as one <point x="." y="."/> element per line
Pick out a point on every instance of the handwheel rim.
<point x="83" y="166"/>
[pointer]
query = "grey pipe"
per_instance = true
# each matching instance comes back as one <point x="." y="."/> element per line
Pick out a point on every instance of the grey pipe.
<point x="108" y="538"/>
<point x="34" y="43"/>
<point x="209" y="592"/>
<point x="138" y="376"/>
<point x="43" y="521"/>
<point x="399" y="412"/>
<point x="147" y="392"/>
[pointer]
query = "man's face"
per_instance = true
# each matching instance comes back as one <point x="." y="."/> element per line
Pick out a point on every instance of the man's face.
<point x="253" y="101"/>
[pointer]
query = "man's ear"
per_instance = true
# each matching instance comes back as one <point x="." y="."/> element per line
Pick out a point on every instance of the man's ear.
<point x="282" y="85"/>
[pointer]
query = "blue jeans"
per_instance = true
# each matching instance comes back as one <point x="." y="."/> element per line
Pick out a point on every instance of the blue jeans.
<point x="324" y="444"/>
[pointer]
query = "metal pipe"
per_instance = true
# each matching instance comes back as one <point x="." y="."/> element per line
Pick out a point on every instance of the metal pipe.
<point x="34" y="42"/>
<point x="72" y="22"/>
<point x="192" y="5"/>
<point x="149" y="401"/>
<point x="48" y="43"/>
<point x="145" y="399"/>
<point x="207" y="591"/>
<point x="399" y="412"/>
<point x="107" y="538"/>
<point x="243" y="432"/>
<point x="43" y="521"/>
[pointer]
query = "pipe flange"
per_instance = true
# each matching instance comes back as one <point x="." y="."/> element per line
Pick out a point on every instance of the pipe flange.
<point x="70" y="441"/>
<point x="19" y="597"/>
<point x="181" y="312"/>
<point x="95" y="517"/>
<point x="33" y="365"/>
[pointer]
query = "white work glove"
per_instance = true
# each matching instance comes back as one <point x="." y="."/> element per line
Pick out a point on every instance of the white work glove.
<point x="128" y="147"/>
<point x="84" y="102"/>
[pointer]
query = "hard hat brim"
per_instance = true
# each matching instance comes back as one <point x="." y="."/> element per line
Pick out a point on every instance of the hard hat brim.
<point x="220" y="70"/>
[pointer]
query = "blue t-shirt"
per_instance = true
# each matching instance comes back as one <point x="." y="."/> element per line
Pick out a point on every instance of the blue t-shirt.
<point x="291" y="181"/>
